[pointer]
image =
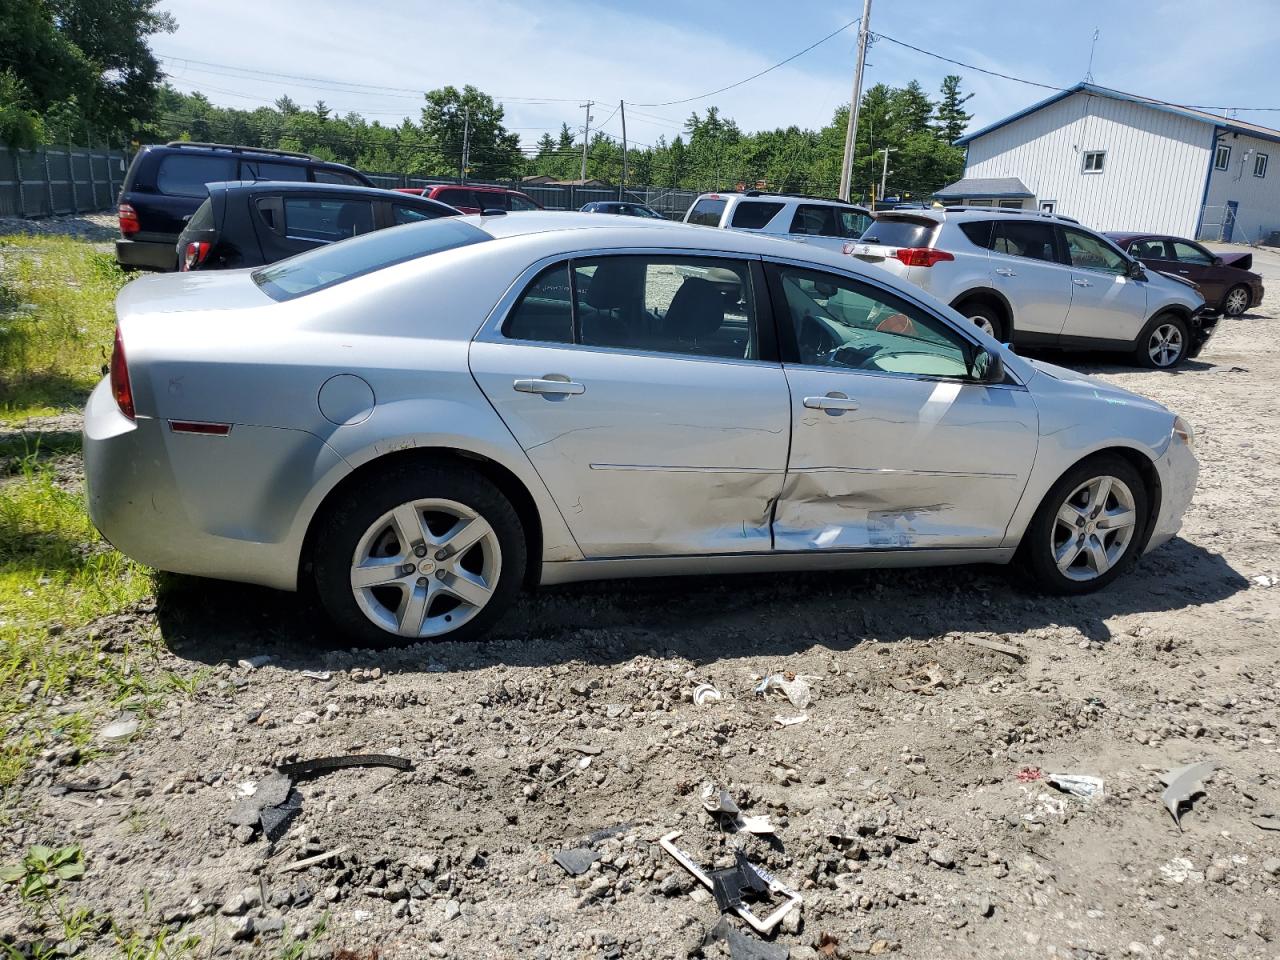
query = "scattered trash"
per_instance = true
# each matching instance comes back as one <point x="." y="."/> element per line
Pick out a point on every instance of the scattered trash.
<point x="1267" y="821"/>
<point x="606" y="832"/>
<point x="827" y="944"/>
<point x="576" y="862"/>
<point x="705" y="693"/>
<point x="792" y="899"/>
<point x="796" y="689"/>
<point x="925" y="681"/>
<point x="361" y="916"/>
<point x="306" y="768"/>
<point x="719" y="803"/>
<point x="1086" y="788"/>
<point x="312" y="861"/>
<point x="790" y="721"/>
<point x="255" y="663"/>
<point x="1180" y="870"/>
<point x="276" y="819"/>
<point x="1029" y="774"/>
<point x="742" y="946"/>
<point x="93" y="785"/>
<point x="1183" y="784"/>
<point x="317" y="674"/>
<point x="727" y="885"/>
<point x="1006" y="648"/>
<point x="119" y="730"/>
<point x="1265" y="581"/>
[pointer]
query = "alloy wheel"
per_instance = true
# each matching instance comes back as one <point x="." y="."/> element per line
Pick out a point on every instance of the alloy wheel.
<point x="1237" y="302"/>
<point x="984" y="324"/>
<point x="1165" y="345"/>
<point x="425" y="568"/>
<point x="1093" y="528"/>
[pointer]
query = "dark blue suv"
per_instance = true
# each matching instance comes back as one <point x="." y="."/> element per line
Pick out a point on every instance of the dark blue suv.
<point x="166" y="183"/>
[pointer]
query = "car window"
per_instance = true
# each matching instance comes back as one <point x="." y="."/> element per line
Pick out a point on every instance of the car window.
<point x="336" y="176"/>
<point x="457" y="198"/>
<point x="1188" y="253"/>
<point x="900" y="232"/>
<point x="545" y="310"/>
<point x="326" y="220"/>
<point x="1149" y="250"/>
<point x="401" y="213"/>
<point x="328" y="265"/>
<point x="1021" y="238"/>
<point x="1093" y="253"/>
<point x="841" y="322"/>
<point x="490" y="200"/>
<point x="202" y="219"/>
<point x="521" y="203"/>
<point x="265" y="170"/>
<point x="754" y="214"/>
<point x="824" y="220"/>
<point x="186" y="176"/>
<point x="707" y="212"/>
<point x="852" y="223"/>
<point x="979" y="232"/>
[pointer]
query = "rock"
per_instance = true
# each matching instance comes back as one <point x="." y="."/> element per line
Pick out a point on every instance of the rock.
<point x="805" y="953"/>
<point x="1216" y="872"/>
<point x="119" y="730"/>
<point x="943" y="857"/>
<point x="675" y="884"/>
<point x="242" y="928"/>
<point x="1272" y="866"/>
<point x="452" y="910"/>
<point x="244" y="834"/>
<point x="790" y="924"/>
<point x="435" y="950"/>
<point x="272" y="924"/>
<point x="306" y="717"/>
<point x="331" y="893"/>
<point x="601" y="886"/>
<point x="234" y="906"/>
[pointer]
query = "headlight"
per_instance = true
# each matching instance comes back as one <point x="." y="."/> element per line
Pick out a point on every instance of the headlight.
<point x="1182" y="432"/>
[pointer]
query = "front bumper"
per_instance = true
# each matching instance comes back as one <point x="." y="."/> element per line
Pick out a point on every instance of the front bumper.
<point x="1178" y="470"/>
<point x="1203" y="327"/>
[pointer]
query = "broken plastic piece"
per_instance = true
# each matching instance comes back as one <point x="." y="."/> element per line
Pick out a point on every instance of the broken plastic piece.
<point x="316" y="674"/>
<point x="705" y="693"/>
<point x="120" y="729"/>
<point x="796" y="689"/>
<point x="104" y="782"/>
<point x="1183" y="784"/>
<point x="312" y="861"/>
<point x="576" y="862"/>
<point x="742" y="946"/>
<point x="254" y="663"/>
<point x="1086" y="788"/>
<point x="790" y="721"/>
<point x="775" y="886"/>
<point x="307" y="768"/>
<point x="1268" y="821"/>
<point x="718" y="802"/>
<point x="276" y="820"/>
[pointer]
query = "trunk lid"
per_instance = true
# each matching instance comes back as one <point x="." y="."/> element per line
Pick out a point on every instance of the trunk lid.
<point x="199" y="291"/>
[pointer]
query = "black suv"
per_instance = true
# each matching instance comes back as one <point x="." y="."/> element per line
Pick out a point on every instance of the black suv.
<point x="166" y="183"/>
<point x="249" y="224"/>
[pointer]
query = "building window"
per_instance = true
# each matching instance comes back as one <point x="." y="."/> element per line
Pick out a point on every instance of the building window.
<point x="1222" y="158"/>
<point x="1260" y="165"/>
<point x="1093" y="160"/>
<point x="1048" y="206"/>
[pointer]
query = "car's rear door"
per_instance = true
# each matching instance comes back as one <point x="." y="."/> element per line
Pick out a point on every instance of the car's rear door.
<point x="1106" y="304"/>
<point x="293" y="222"/>
<point x="1027" y="267"/>
<point x="647" y="398"/>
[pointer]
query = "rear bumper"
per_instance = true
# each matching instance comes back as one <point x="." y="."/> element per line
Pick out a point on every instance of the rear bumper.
<point x="147" y="254"/>
<point x="1178" y="470"/>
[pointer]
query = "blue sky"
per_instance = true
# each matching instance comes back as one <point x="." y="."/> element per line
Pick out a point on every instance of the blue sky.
<point x="532" y="56"/>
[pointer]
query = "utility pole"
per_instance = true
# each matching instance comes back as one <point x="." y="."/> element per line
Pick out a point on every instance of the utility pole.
<point x="466" y="145"/>
<point x="884" y="173"/>
<point x="851" y="134"/>
<point x="622" y="187"/>
<point x="586" y="137"/>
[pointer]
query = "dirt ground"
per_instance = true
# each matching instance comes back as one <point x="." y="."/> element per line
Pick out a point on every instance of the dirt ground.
<point x="900" y="813"/>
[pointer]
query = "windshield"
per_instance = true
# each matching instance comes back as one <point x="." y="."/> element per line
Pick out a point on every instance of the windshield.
<point x="338" y="262"/>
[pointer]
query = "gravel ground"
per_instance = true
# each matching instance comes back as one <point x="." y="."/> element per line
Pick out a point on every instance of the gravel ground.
<point x="95" y="227"/>
<point x="911" y="808"/>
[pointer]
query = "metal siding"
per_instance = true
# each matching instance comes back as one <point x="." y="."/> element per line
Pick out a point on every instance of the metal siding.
<point x="1259" y="197"/>
<point x="1153" y="174"/>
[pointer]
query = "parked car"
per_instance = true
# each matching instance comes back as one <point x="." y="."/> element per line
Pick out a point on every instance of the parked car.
<point x="474" y="198"/>
<point x="624" y="208"/>
<point x="248" y="224"/>
<point x="1225" y="279"/>
<point x="417" y="421"/>
<point x="1040" y="279"/>
<point x="814" y="220"/>
<point x="166" y="183"/>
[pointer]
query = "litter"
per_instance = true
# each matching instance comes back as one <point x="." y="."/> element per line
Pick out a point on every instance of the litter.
<point x="728" y="885"/>
<point x="317" y="674"/>
<point x="1265" y="581"/>
<point x="93" y="785"/>
<point x="796" y="689"/>
<point x="120" y="730"/>
<point x="312" y="861"/>
<point x="576" y="862"/>
<point x="276" y="819"/>
<point x="1006" y="648"/>
<point x="925" y="681"/>
<point x="307" y="768"/>
<point x="254" y="663"/>
<point x="719" y="803"/>
<point x="792" y="899"/>
<point x="1086" y="788"/>
<point x="1183" y="784"/>
<point x="1268" y="821"/>
<point x="790" y="721"/>
<point x="742" y="946"/>
<point x="1029" y="774"/>
<point x="705" y="693"/>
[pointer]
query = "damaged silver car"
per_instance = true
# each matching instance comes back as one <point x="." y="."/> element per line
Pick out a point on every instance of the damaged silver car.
<point x="415" y="423"/>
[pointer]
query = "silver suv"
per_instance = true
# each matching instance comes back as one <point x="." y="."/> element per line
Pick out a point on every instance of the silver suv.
<point x="816" y="220"/>
<point x="1040" y="279"/>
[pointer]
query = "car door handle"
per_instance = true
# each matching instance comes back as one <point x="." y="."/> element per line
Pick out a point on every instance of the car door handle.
<point x="1005" y="272"/>
<point x="1081" y="282"/>
<point x="1184" y="271"/>
<point x="831" y="402"/>
<point x="549" y="386"/>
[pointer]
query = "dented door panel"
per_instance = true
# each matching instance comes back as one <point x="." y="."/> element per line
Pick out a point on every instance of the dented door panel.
<point x="908" y="463"/>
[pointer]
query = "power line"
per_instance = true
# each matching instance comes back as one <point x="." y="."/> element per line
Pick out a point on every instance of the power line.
<point x="967" y="66"/>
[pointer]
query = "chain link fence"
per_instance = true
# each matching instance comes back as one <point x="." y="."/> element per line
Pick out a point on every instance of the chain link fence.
<point x="49" y="181"/>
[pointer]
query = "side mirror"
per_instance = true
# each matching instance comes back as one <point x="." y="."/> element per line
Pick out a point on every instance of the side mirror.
<point x="1218" y="261"/>
<point x="988" y="367"/>
<point x="1135" y="271"/>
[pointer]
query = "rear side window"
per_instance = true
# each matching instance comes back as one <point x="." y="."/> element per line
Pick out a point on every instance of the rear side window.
<point x="753" y="214"/>
<point x="404" y="214"/>
<point x="265" y="170"/>
<point x="202" y="219"/>
<point x="1020" y="238"/>
<point x="326" y="220"/>
<point x="491" y="200"/>
<point x="545" y="310"/>
<point x="336" y="176"/>
<point x="521" y="203"/>
<point x="707" y="212"/>
<point x="978" y="232"/>
<point x="184" y="175"/>
<point x="333" y="264"/>
<point x="900" y="232"/>
<point x="457" y="198"/>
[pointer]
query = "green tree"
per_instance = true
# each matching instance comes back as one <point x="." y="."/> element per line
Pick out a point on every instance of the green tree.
<point x="20" y="126"/>
<point x="950" y="118"/>
<point x="494" y="151"/>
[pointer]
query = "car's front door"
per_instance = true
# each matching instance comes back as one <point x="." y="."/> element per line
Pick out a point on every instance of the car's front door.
<point x="1195" y="263"/>
<point x="643" y="393"/>
<point x="1025" y="266"/>
<point x="894" y="444"/>
<point x="1106" y="303"/>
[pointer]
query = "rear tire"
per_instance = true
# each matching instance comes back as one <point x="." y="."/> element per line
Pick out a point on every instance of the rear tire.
<point x="418" y="553"/>
<point x="1163" y="343"/>
<point x="1236" y="301"/>
<point x="985" y="315"/>
<point x="1089" y="528"/>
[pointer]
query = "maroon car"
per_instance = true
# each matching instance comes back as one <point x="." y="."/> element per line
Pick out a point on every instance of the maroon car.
<point x="472" y="198"/>
<point x="1225" y="280"/>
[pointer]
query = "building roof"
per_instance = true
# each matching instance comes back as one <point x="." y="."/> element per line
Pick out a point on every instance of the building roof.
<point x="1009" y="188"/>
<point x="1193" y="113"/>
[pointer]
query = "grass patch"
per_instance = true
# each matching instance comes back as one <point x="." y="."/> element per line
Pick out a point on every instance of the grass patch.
<point x="57" y="318"/>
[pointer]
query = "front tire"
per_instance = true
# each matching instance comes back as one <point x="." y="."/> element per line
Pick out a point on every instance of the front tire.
<point x="1163" y="343"/>
<point x="418" y="553"/>
<point x="1090" y="527"/>
<point x="1236" y="302"/>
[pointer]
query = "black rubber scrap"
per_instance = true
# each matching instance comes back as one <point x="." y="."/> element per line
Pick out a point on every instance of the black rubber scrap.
<point x="576" y="862"/>
<point x="743" y="946"/>
<point x="276" y="819"/>
<point x="308" y="768"/>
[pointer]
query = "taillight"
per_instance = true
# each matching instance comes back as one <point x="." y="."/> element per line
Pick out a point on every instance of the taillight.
<point x="120" y="387"/>
<point x="194" y="253"/>
<point x="922" y="256"/>
<point x="128" y="220"/>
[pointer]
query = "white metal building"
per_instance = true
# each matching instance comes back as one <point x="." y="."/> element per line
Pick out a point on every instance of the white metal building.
<point x="1117" y="161"/>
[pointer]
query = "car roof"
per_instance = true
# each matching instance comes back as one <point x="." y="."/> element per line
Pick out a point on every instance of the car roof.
<point x="480" y="187"/>
<point x="304" y="186"/>
<point x="784" y="197"/>
<point x="289" y="157"/>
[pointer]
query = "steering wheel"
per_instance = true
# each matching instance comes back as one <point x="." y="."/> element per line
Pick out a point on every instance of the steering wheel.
<point x="815" y="340"/>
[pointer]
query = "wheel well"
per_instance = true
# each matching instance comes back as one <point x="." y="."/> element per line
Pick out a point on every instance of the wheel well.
<point x="502" y="478"/>
<point x="992" y="299"/>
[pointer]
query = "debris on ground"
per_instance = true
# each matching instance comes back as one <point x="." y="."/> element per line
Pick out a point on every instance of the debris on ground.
<point x="926" y="681"/>
<point x="791" y="899"/>
<point x="1006" y="648"/>
<point x="308" y="768"/>
<point x="794" y="688"/>
<point x="743" y="946"/>
<point x="1267" y="821"/>
<point x="312" y="861"/>
<point x="1029" y="774"/>
<point x="255" y="663"/>
<point x="1182" y="785"/>
<point x="705" y="693"/>
<point x="1078" y="785"/>
<point x="121" y="729"/>
<point x="93" y="785"/>
<point x="576" y="862"/>
<point x="790" y="721"/>
<point x="721" y="804"/>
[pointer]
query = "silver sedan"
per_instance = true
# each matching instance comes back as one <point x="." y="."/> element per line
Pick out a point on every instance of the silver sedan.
<point x="416" y="423"/>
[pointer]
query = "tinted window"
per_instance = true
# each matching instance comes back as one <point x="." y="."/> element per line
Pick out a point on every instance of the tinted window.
<point x="265" y="170"/>
<point x="186" y="176"/>
<point x="332" y="264"/>
<point x="978" y="232"/>
<point x="1021" y="238"/>
<point x="325" y="220"/>
<point x="457" y="198"/>
<point x="202" y="219"/>
<point x="1190" y="253"/>
<point x="521" y="203"/>
<point x="545" y="310"/>
<point x="403" y="214"/>
<point x="1149" y="250"/>
<point x="706" y="213"/>
<point x="900" y="232"/>
<point x="852" y="223"/>
<point x="839" y="322"/>
<point x="336" y="176"/>
<point x="754" y="214"/>
<point x="1093" y="253"/>
<point x="823" y="220"/>
<point x="490" y="200"/>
